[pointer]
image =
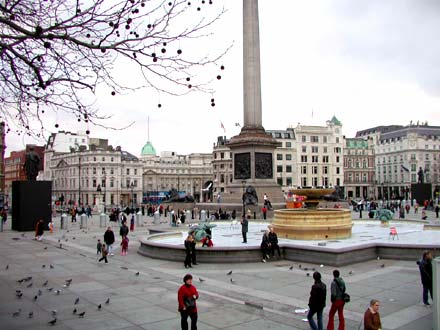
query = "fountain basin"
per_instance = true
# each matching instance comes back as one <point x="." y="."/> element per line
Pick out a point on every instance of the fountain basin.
<point x="315" y="224"/>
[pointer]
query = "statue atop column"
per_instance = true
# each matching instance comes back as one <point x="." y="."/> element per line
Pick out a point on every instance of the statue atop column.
<point x="32" y="165"/>
<point x="421" y="175"/>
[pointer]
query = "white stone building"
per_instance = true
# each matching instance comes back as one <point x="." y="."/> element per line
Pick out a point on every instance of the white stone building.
<point x="400" y="152"/>
<point x="188" y="174"/>
<point x="92" y="174"/>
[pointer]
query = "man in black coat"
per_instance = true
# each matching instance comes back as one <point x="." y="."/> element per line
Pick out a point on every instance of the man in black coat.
<point x="425" y="267"/>
<point x="318" y="295"/>
<point x="273" y="240"/>
<point x="109" y="239"/>
<point x="244" y="228"/>
<point x="123" y="231"/>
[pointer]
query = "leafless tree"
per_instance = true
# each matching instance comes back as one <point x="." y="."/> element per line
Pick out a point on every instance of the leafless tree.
<point x="54" y="53"/>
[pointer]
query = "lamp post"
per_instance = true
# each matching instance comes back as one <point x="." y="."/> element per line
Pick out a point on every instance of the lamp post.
<point x="105" y="185"/>
<point x="132" y="200"/>
<point x="99" y="190"/>
<point x="244" y="206"/>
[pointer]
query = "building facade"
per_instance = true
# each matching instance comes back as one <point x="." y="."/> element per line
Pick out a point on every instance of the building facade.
<point x="307" y="156"/>
<point x="188" y="174"/>
<point x="359" y="168"/>
<point x="96" y="176"/>
<point x="401" y="151"/>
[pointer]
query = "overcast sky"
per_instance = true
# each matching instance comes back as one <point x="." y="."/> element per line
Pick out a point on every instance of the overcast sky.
<point x="369" y="62"/>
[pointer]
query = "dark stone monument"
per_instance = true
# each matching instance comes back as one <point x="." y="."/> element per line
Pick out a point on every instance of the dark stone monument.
<point x="31" y="201"/>
<point x="421" y="192"/>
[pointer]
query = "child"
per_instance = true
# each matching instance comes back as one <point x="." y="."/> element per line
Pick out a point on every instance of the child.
<point x="124" y="246"/>
<point x="104" y="254"/>
<point x="99" y="247"/>
<point x="50" y="226"/>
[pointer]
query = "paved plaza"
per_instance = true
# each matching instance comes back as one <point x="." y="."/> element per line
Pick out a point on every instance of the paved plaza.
<point x="260" y="296"/>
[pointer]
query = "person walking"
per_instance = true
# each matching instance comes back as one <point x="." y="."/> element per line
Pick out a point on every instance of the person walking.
<point x="109" y="239"/>
<point x="104" y="254"/>
<point x="98" y="247"/>
<point x="264" y="211"/>
<point x="132" y="223"/>
<point x="123" y="231"/>
<point x="318" y="295"/>
<point x="124" y="246"/>
<point x="425" y="268"/>
<point x="188" y="251"/>
<point x="186" y="297"/>
<point x="244" y="228"/>
<point x="372" y="317"/>
<point x="273" y="240"/>
<point x="337" y="290"/>
<point x="437" y="210"/>
<point x="39" y="230"/>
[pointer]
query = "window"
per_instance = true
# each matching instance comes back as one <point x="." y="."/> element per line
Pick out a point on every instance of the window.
<point x="94" y="170"/>
<point x="304" y="138"/>
<point x="337" y="139"/>
<point x="103" y="183"/>
<point x="127" y="183"/>
<point x="279" y="156"/>
<point x="112" y="171"/>
<point x="103" y="171"/>
<point x="222" y="155"/>
<point x="288" y="181"/>
<point x="356" y="177"/>
<point x="314" y="150"/>
<point x="338" y="150"/>
<point x="135" y="183"/>
<point x="325" y="181"/>
<point x="288" y="169"/>
<point x="94" y="159"/>
<point x="338" y="181"/>
<point x="364" y="177"/>
<point x="303" y="169"/>
<point x="314" y="181"/>
<point x="337" y="159"/>
<point x="303" y="159"/>
<point x="338" y="170"/>
<point x="112" y="159"/>
<point x="288" y="144"/>
<point x="413" y="167"/>
<point x="128" y="171"/>
<point x="112" y="183"/>
<point x="94" y="183"/>
<point x="324" y="139"/>
<point x="314" y="169"/>
<point x="325" y="170"/>
<point x="279" y="169"/>
<point x="324" y="150"/>
<point x="280" y="181"/>
<point x="304" y="149"/>
<point x="135" y="171"/>
<point x="304" y="181"/>
<point x="427" y="157"/>
<point x="413" y="178"/>
<point x="325" y="159"/>
<point x="222" y="178"/>
<point x="288" y="157"/>
<point x="314" y="139"/>
<point x="103" y="159"/>
<point x="315" y="159"/>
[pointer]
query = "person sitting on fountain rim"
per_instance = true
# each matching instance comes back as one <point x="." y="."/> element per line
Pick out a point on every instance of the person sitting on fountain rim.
<point x="265" y="246"/>
<point x="207" y="242"/>
<point x="273" y="240"/>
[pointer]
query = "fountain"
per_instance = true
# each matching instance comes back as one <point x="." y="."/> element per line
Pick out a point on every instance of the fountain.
<point x="313" y="223"/>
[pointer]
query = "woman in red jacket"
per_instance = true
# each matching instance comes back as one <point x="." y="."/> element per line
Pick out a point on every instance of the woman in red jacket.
<point x="187" y="296"/>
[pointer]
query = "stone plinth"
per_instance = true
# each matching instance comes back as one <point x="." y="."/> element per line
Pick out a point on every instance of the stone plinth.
<point x="319" y="224"/>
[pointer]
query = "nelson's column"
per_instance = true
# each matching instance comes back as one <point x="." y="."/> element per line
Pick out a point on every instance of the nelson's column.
<point x="253" y="149"/>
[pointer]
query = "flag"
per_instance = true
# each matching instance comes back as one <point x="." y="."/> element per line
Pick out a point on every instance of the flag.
<point x="404" y="168"/>
<point x="223" y="126"/>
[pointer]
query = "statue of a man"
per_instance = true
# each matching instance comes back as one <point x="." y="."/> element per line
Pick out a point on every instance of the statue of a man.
<point x="421" y="175"/>
<point x="32" y="165"/>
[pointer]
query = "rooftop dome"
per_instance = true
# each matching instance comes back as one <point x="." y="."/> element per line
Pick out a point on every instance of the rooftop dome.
<point x="335" y="121"/>
<point x="148" y="150"/>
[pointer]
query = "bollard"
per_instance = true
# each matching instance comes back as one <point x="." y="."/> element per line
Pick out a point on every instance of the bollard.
<point x="1" y="224"/>
<point x="156" y="219"/>
<point x="138" y="219"/>
<point x="171" y="219"/>
<point x="203" y="216"/>
<point x="83" y="222"/>
<point x="102" y="220"/>
<point x="188" y="215"/>
<point x="64" y="221"/>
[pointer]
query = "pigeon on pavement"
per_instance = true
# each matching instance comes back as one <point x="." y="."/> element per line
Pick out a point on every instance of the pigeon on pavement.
<point x="107" y="301"/>
<point x="53" y="322"/>
<point x="76" y="301"/>
<point x="229" y="273"/>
